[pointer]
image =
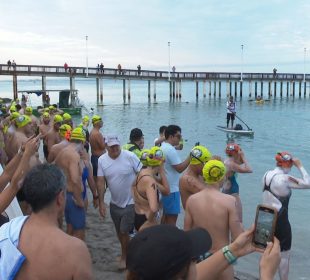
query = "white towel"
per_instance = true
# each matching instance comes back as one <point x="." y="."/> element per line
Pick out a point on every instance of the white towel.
<point x="11" y="259"/>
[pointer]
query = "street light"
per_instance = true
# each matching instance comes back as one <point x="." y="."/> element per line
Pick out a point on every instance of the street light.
<point x="241" y="79"/>
<point x="86" y="37"/>
<point x="169" y="61"/>
<point x="305" y="52"/>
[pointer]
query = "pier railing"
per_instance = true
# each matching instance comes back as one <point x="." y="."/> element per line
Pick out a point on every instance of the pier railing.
<point x="60" y="71"/>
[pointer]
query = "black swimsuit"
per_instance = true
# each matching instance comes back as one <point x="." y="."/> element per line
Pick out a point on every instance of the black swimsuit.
<point x="283" y="227"/>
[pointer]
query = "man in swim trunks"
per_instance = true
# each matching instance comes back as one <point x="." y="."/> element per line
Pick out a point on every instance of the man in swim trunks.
<point x="214" y="211"/>
<point x="117" y="169"/>
<point x="190" y="181"/>
<point x="173" y="166"/>
<point x="235" y="163"/>
<point x="97" y="144"/>
<point x="277" y="190"/>
<point x="33" y="247"/>
<point x="231" y="111"/>
<point x="69" y="160"/>
<point x="53" y="137"/>
<point x="44" y="128"/>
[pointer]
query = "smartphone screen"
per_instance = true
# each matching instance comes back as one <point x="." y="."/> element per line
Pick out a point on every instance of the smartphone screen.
<point x="265" y="222"/>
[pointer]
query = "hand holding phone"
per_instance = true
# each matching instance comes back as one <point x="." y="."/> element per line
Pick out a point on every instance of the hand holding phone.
<point x="265" y="224"/>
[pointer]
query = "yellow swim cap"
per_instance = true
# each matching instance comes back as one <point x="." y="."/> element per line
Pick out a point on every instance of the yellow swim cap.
<point x="14" y="115"/>
<point x="78" y="134"/>
<point x="28" y="110"/>
<point x="85" y="119"/>
<point x="213" y="171"/>
<point x="95" y="119"/>
<point x="22" y="121"/>
<point x="46" y="115"/>
<point x="51" y="107"/>
<point x="144" y="155"/>
<point x="66" y="117"/>
<point x="58" y="119"/>
<point x="63" y="130"/>
<point x="13" y="108"/>
<point x="155" y="157"/>
<point x="200" y="154"/>
<point x="46" y="109"/>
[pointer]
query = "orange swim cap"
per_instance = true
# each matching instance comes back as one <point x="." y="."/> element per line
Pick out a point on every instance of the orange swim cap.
<point x="284" y="159"/>
<point x="232" y="148"/>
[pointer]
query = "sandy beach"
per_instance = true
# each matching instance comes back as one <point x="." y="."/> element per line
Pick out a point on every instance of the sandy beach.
<point x="104" y="248"/>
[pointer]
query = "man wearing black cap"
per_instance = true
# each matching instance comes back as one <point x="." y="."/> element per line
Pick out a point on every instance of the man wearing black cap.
<point x="167" y="253"/>
<point x="136" y="142"/>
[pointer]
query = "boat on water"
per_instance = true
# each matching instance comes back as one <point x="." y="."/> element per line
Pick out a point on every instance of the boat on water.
<point x="68" y="100"/>
<point x="236" y="131"/>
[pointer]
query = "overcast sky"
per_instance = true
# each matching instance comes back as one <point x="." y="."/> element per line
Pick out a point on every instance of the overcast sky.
<point x="205" y="35"/>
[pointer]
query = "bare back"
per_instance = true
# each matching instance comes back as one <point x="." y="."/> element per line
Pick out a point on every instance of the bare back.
<point x="51" y="254"/>
<point x="96" y="141"/>
<point x="56" y="149"/>
<point x="52" y="138"/>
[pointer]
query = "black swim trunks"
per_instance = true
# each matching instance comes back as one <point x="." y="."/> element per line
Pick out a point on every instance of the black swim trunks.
<point x="94" y="162"/>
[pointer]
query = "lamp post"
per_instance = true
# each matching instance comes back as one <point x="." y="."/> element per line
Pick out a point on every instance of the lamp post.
<point x="305" y="53"/>
<point x="169" y="61"/>
<point x="241" y="78"/>
<point x="86" y="37"/>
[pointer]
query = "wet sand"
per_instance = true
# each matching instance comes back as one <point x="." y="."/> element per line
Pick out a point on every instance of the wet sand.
<point x="104" y="248"/>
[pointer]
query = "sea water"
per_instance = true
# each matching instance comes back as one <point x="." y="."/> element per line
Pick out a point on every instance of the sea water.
<point x="279" y="124"/>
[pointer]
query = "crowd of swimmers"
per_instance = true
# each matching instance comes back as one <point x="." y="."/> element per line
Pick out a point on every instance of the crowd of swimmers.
<point x="147" y="189"/>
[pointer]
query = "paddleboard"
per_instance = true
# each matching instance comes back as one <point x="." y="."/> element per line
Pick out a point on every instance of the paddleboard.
<point x="230" y="130"/>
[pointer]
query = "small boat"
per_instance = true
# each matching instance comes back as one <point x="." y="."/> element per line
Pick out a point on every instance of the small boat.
<point x="236" y="131"/>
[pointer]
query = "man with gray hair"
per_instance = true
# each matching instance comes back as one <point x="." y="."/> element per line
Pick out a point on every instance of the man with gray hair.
<point x="33" y="247"/>
<point x="117" y="169"/>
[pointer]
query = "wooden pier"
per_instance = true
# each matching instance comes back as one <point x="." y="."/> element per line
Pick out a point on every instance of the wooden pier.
<point x="283" y="83"/>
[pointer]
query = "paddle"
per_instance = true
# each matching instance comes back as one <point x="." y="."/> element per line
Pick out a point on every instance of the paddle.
<point x="241" y="120"/>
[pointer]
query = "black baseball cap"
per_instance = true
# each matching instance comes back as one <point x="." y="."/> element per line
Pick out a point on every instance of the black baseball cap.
<point x="160" y="252"/>
<point x="135" y="134"/>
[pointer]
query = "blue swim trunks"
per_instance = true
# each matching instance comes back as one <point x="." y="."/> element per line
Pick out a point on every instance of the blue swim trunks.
<point x="74" y="215"/>
<point x="171" y="203"/>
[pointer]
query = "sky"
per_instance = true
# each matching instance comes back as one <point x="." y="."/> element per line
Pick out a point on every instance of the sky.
<point x="205" y="35"/>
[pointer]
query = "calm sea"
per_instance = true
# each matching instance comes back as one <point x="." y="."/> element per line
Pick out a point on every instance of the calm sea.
<point x="281" y="124"/>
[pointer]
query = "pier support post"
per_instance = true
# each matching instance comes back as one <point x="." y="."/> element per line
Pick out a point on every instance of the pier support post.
<point x="241" y="85"/>
<point x="204" y="88"/>
<point x="214" y="92"/>
<point x="275" y="89"/>
<point x="299" y="89"/>
<point x="154" y="95"/>
<point x="250" y="88"/>
<point x="15" y="94"/>
<point x="170" y="89"/>
<point x="97" y="89"/>
<point x="149" y="90"/>
<point x="72" y="84"/>
<point x="180" y="89"/>
<point x="262" y="89"/>
<point x="220" y="91"/>
<point x="287" y="88"/>
<point x="294" y="89"/>
<point x="101" y="90"/>
<point x="291" y="88"/>
<point x="44" y="91"/>
<point x="197" y="89"/>
<point x="209" y="88"/>
<point x="281" y="89"/>
<point x="236" y="85"/>
<point x="128" y="92"/>
<point x="124" y="91"/>
<point x="173" y="89"/>
<point x="230" y="88"/>
<point x="255" y="90"/>
<point x="269" y="89"/>
<point x="305" y="88"/>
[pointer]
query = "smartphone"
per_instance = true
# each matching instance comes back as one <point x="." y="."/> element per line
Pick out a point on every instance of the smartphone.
<point x="265" y="224"/>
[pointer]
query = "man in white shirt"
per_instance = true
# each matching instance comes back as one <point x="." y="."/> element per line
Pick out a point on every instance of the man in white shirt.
<point x="173" y="166"/>
<point x="117" y="169"/>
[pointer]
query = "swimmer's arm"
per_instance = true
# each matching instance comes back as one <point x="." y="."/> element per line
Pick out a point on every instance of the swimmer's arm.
<point x="51" y="155"/>
<point x="101" y="185"/>
<point x="235" y="225"/>
<point x="91" y="181"/>
<point x="188" y="220"/>
<point x="241" y="168"/>
<point x="151" y="195"/>
<point x="163" y="185"/>
<point x="100" y="141"/>
<point x="9" y="171"/>
<point x="299" y="183"/>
